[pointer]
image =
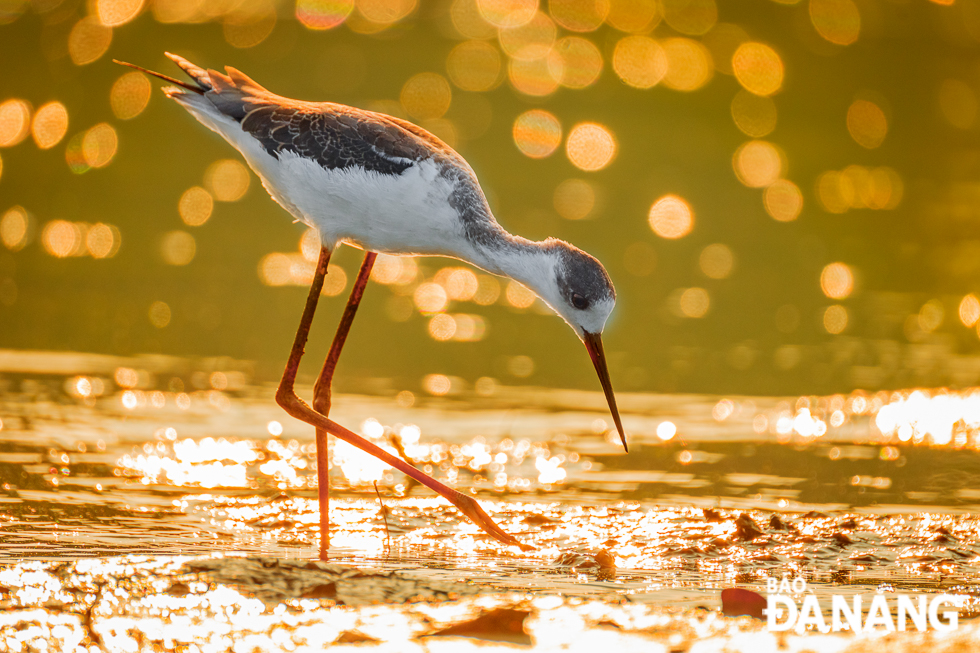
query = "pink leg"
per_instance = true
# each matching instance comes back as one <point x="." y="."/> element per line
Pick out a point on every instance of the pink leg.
<point x="292" y="404"/>
<point x="321" y="396"/>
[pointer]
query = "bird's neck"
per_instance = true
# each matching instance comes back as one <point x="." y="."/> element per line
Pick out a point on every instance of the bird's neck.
<point x="493" y="248"/>
<point x="523" y="260"/>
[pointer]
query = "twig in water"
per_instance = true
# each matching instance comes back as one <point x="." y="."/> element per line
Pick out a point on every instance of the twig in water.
<point x="384" y="514"/>
<point x="396" y="442"/>
<point x="89" y="621"/>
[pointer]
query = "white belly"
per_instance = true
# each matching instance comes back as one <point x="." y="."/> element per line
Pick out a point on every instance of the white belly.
<point x="396" y="214"/>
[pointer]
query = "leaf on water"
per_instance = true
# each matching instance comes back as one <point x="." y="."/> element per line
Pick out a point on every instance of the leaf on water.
<point x="601" y="563"/>
<point x="323" y="591"/>
<point x="841" y="540"/>
<point x="179" y="589"/>
<point x="746" y="528"/>
<point x="500" y="625"/>
<point x="583" y="561"/>
<point x="778" y="524"/>
<point x="712" y="515"/>
<point x="605" y="560"/>
<point x="535" y="519"/>
<point x="865" y="559"/>
<point x="737" y="602"/>
<point x="355" y="637"/>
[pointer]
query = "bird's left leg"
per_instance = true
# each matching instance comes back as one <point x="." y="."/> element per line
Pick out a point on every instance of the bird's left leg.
<point x="321" y="396"/>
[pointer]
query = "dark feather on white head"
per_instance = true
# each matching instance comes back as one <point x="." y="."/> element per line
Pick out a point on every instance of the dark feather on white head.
<point x="582" y="281"/>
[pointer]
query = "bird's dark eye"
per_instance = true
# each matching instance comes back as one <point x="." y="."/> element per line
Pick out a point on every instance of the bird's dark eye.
<point x="579" y="302"/>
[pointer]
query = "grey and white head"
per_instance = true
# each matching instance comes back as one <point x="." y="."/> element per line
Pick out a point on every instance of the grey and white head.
<point x="581" y="291"/>
<point x="585" y="293"/>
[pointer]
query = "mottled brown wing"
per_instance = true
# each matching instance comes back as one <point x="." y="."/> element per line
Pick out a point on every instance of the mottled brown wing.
<point x="334" y="136"/>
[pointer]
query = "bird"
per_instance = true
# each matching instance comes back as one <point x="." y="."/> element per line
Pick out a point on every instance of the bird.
<point x="384" y="185"/>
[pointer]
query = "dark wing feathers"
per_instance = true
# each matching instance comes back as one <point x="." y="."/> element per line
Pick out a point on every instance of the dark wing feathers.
<point x="195" y="73"/>
<point x="327" y="134"/>
<point x="333" y="135"/>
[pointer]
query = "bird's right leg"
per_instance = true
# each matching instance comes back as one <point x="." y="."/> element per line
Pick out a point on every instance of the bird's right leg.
<point x="286" y="393"/>
<point x="286" y="397"/>
<point x="321" y="396"/>
<point x="321" y="390"/>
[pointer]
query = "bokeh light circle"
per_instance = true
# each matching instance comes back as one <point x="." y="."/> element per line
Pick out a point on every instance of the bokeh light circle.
<point x="178" y="248"/>
<point x="692" y="17"/>
<point x="88" y="40"/>
<point x="579" y="15"/>
<point x="195" y="206"/>
<point x="835" y="319"/>
<point x="671" y="217"/>
<point x="838" y="21"/>
<point x="581" y="61"/>
<point x="694" y="302"/>
<point x="958" y="103"/>
<point x="129" y="95"/>
<point x="757" y="164"/>
<point x="426" y="96"/>
<point x="783" y="200"/>
<point x="590" y="146"/>
<point x="867" y="123"/>
<point x="537" y="133"/>
<point x="688" y="64"/>
<point x="323" y="14"/>
<point x="717" y="261"/>
<point x="639" y="61"/>
<point x="536" y="77"/>
<point x="469" y="21"/>
<point x="99" y="145"/>
<point x="634" y="16"/>
<point x="113" y="13"/>
<point x="574" y="199"/>
<point x="837" y="281"/>
<point x="15" y="122"/>
<point x="758" y="68"/>
<point x="50" y="125"/>
<point x="227" y="180"/>
<point x="15" y="228"/>
<point x="474" y="66"/>
<point x="61" y="238"/>
<point x="383" y="13"/>
<point x="753" y="114"/>
<point x="507" y="13"/>
<point x="531" y="40"/>
<point x="969" y="310"/>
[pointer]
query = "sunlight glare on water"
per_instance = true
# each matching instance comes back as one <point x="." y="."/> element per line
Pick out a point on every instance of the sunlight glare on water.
<point x="685" y="515"/>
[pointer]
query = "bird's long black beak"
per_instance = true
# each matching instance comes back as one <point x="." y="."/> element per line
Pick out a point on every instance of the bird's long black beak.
<point x="593" y="342"/>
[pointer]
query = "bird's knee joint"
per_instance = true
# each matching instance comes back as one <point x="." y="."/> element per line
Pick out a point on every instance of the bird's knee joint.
<point x="286" y="399"/>
<point x="321" y="404"/>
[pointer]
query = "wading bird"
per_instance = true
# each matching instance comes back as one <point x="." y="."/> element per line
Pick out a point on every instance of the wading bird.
<point x="384" y="185"/>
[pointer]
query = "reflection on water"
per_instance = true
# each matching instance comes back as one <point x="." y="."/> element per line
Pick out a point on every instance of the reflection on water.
<point x="857" y="493"/>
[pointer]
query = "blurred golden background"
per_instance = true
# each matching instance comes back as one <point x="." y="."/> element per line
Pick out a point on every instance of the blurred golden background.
<point x="785" y="193"/>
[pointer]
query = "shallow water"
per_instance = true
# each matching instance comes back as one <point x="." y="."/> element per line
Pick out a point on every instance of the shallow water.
<point x="137" y="490"/>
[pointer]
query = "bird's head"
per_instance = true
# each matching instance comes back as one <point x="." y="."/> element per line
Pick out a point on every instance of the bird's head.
<point x="581" y="291"/>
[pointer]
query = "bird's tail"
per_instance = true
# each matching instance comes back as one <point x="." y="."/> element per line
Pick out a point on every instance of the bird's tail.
<point x="202" y="80"/>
